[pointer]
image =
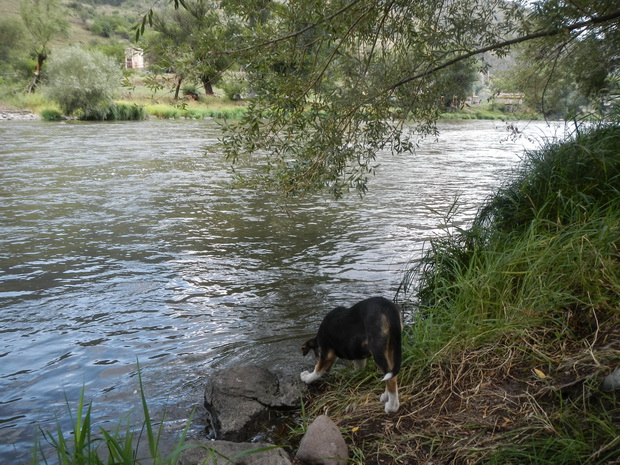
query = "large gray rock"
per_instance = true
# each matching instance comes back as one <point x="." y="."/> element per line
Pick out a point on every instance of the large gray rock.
<point x="223" y="452"/>
<point x="323" y="444"/>
<point x="240" y="400"/>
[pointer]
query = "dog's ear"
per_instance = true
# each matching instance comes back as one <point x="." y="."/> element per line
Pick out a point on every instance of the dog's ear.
<point x="309" y="345"/>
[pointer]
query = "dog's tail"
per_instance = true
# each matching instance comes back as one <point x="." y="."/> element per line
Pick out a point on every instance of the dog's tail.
<point x="395" y="343"/>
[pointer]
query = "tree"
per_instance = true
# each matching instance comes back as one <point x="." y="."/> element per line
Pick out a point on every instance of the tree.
<point x="11" y="44"/>
<point x="45" y="20"/>
<point x="82" y="80"/>
<point x="335" y="80"/>
<point x="184" y="42"/>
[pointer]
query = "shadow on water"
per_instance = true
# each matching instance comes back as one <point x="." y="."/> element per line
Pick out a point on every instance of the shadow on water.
<point x="121" y="242"/>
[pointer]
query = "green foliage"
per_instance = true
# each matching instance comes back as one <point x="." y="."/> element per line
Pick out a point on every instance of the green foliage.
<point x="89" y="446"/>
<point x="175" y="112"/>
<point x="184" y="40"/>
<point x="334" y="82"/>
<point x="564" y="183"/>
<point x="578" y="437"/>
<point x="82" y="80"/>
<point x="234" y="86"/>
<point x="14" y="64"/>
<point x="190" y="91"/>
<point x="543" y="249"/>
<point x="109" y="26"/>
<point x="45" y="20"/>
<point x="12" y="35"/>
<point x="51" y="115"/>
<point x="114" y="49"/>
<point x="116" y="111"/>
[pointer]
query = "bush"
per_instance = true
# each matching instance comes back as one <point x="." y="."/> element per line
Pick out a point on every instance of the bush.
<point x="116" y="112"/>
<point x="80" y="79"/>
<point x="190" y="91"/>
<point x="49" y="114"/>
<point x="234" y="87"/>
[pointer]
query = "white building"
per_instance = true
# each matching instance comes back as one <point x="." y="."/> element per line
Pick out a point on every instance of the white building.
<point x="134" y="58"/>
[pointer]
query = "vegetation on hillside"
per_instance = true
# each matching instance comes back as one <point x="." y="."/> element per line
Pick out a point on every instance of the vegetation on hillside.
<point x="515" y="324"/>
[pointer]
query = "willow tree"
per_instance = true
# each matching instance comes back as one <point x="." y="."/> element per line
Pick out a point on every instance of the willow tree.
<point x="45" y="20"/>
<point x="183" y="42"/>
<point x="335" y="80"/>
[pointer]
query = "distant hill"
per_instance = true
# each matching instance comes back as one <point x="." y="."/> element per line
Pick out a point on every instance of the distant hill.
<point x="91" y="20"/>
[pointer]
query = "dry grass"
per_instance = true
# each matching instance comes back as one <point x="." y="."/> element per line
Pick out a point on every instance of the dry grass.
<point x="472" y="404"/>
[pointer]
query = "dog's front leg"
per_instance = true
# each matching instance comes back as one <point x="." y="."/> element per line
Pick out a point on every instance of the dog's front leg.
<point x="308" y="377"/>
<point x="321" y="367"/>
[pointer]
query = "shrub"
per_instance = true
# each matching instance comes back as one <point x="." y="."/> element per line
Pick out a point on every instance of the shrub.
<point x="117" y="111"/>
<point x="49" y="114"/>
<point x="234" y="87"/>
<point x="190" y="91"/>
<point x="80" y="79"/>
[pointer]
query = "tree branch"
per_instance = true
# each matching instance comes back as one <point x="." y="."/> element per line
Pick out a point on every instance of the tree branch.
<point x="293" y="34"/>
<point x="507" y="43"/>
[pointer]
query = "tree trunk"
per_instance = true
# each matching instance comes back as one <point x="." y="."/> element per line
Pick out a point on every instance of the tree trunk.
<point x="206" y="83"/>
<point x="41" y="57"/>
<point x="176" y="92"/>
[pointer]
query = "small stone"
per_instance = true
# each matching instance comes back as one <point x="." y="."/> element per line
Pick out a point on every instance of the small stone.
<point x="612" y="381"/>
<point x="240" y="453"/>
<point x="323" y="444"/>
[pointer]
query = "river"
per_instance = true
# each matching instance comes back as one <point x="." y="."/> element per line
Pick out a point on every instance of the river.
<point x="125" y="242"/>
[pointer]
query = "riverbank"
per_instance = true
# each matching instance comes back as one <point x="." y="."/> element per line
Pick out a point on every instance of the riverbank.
<point x="164" y="106"/>
<point x="8" y="113"/>
<point x="516" y="325"/>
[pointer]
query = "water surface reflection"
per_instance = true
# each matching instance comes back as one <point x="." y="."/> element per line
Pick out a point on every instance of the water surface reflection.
<point x="125" y="242"/>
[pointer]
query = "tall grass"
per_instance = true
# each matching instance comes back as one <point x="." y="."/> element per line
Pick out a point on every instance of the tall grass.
<point x="117" y="111"/>
<point x="194" y="112"/>
<point x="516" y="321"/>
<point x="86" y="445"/>
<point x="124" y="445"/>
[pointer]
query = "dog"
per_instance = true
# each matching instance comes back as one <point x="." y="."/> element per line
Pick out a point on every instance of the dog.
<point x="370" y="327"/>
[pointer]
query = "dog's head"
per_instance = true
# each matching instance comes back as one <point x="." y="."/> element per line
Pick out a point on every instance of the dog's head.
<point x="309" y="345"/>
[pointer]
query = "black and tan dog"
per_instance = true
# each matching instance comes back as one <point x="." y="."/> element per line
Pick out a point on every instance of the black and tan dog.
<point x="371" y="327"/>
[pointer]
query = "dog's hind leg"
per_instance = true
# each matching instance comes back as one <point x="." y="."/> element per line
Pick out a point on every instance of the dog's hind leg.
<point x="390" y="396"/>
<point x="321" y="367"/>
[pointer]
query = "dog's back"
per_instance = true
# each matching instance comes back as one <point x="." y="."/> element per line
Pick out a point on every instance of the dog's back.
<point x="370" y="327"/>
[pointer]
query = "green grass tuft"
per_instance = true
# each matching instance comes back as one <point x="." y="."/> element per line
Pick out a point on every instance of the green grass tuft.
<point x="86" y="445"/>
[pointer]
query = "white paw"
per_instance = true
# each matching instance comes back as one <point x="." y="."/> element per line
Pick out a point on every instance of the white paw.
<point x="308" y="377"/>
<point x="384" y="397"/>
<point x="392" y="406"/>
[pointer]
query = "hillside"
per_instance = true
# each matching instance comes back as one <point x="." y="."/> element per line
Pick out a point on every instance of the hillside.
<point x="86" y="18"/>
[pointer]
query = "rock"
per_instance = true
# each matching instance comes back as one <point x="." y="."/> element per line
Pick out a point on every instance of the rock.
<point x="22" y="115"/>
<point x="213" y="452"/>
<point x="323" y="444"/>
<point x="241" y="399"/>
<point x="612" y="381"/>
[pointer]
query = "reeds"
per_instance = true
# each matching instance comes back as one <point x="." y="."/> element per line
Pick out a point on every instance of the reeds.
<point x="117" y="111"/>
<point x="86" y="445"/>
<point x="190" y="112"/>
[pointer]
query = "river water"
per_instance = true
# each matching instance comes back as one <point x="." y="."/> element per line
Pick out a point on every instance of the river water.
<point x="125" y="242"/>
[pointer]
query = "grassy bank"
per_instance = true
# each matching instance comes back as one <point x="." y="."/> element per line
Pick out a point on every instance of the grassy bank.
<point x="516" y="325"/>
<point x="490" y="112"/>
<point x="138" y="103"/>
